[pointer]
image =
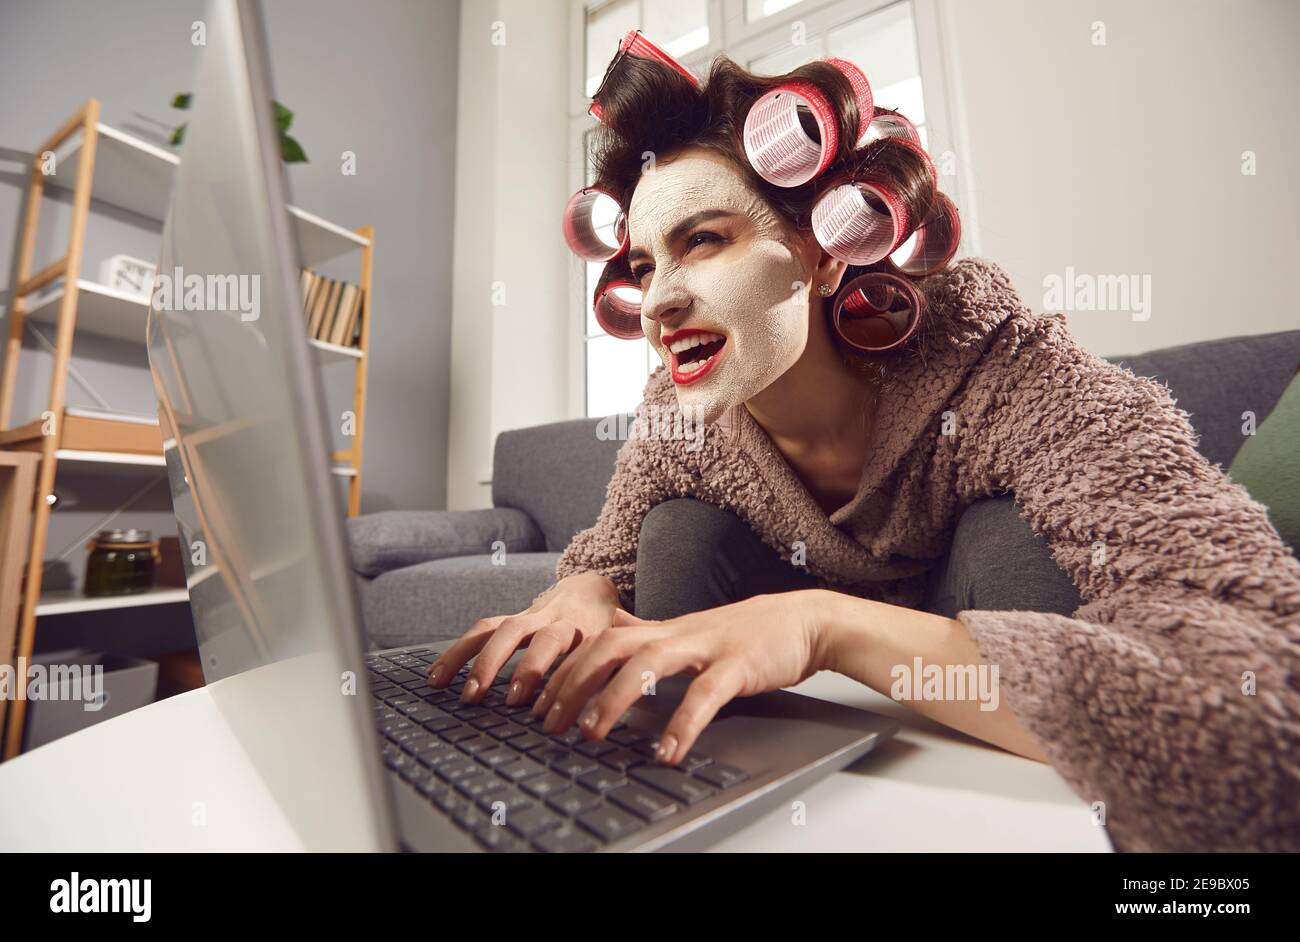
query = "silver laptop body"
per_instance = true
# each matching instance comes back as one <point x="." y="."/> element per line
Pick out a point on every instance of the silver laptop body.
<point x="270" y="586"/>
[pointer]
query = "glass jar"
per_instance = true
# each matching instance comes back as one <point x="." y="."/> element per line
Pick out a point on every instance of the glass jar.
<point x="121" y="562"/>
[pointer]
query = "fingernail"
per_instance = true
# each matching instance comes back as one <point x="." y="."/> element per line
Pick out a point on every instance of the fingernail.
<point x="471" y="688"/>
<point x="515" y="690"/>
<point x="435" y="676"/>
<point x="539" y="707"/>
<point x="590" y="720"/>
<point x="553" y="718"/>
<point x="667" y="746"/>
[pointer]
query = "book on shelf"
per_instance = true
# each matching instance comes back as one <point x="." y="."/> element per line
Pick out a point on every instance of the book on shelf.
<point x="331" y="308"/>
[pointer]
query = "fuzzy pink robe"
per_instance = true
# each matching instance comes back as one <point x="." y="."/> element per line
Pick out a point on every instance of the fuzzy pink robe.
<point x="1141" y="699"/>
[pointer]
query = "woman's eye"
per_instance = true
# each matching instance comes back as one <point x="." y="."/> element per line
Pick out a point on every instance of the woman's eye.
<point x="702" y="238"/>
<point x="640" y="271"/>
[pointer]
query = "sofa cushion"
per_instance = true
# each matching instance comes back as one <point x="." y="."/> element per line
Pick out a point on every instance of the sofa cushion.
<point x="557" y="474"/>
<point x="1217" y="380"/>
<point x="443" y="598"/>
<point x="1266" y="465"/>
<point x="397" y="538"/>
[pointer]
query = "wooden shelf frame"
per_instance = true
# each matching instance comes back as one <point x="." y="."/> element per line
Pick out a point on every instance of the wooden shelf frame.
<point x="142" y="185"/>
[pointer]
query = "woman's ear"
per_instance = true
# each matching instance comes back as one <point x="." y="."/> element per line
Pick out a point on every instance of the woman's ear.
<point x="830" y="270"/>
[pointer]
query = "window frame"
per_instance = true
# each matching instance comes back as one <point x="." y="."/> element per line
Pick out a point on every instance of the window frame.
<point x="730" y="33"/>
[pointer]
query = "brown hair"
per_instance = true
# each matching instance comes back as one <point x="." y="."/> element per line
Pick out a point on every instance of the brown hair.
<point x="646" y="106"/>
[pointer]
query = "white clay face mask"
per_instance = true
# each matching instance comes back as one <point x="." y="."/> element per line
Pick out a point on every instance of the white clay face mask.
<point x="727" y="319"/>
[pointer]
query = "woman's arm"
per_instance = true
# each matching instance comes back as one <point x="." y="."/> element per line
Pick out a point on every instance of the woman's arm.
<point x="881" y="646"/>
<point x="1171" y="696"/>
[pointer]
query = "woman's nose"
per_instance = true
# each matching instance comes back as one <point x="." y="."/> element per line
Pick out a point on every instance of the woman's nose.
<point x="667" y="298"/>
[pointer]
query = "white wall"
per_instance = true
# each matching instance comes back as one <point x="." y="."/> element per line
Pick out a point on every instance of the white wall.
<point x="1126" y="158"/>
<point x="510" y="303"/>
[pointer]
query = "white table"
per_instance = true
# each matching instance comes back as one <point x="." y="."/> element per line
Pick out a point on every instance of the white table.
<point x="137" y="783"/>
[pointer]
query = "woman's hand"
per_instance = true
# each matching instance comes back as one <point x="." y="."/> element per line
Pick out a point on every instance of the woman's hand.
<point x="575" y="609"/>
<point x="763" y="643"/>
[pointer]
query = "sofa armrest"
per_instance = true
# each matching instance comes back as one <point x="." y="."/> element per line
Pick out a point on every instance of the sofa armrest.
<point x="396" y="539"/>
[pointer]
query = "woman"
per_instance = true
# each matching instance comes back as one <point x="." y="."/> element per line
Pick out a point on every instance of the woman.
<point x="1172" y="694"/>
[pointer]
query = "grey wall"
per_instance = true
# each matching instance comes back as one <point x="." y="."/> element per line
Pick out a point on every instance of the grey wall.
<point x="376" y="78"/>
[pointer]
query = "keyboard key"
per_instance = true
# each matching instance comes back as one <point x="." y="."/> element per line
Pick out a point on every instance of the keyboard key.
<point x="504" y="729"/>
<point x="692" y="761"/>
<point x="673" y="782"/>
<point x="570" y="737"/>
<point x="595" y="748"/>
<point x="488" y="722"/>
<point x="457" y="769"/>
<point x="520" y="770"/>
<point x="622" y="760"/>
<point x="529" y="822"/>
<point x="565" y="839"/>
<point x="506" y="801"/>
<point x="527" y="742"/>
<point x="609" y="823"/>
<point x="574" y="765"/>
<point x="721" y="774"/>
<point x="642" y="802"/>
<point x="573" y="801"/>
<point x="498" y="839"/>
<point x="550" y="753"/>
<point x="602" y="780"/>
<point x="458" y="733"/>
<point x="627" y="736"/>
<point x="421" y="713"/>
<point x="480" y="786"/>
<point x="472" y="747"/>
<point x="495" y="757"/>
<point x="547" y="784"/>
<point x="440" y="723"/>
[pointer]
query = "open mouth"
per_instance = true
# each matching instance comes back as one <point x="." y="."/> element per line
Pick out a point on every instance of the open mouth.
<point x="694" y="353"/>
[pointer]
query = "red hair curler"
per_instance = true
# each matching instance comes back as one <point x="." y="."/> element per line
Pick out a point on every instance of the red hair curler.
<point x="860" y="222"/>
<point x="617" y="307"/>
<point x="889" y="123"/>
<point x="636" y="43"/>
<point x="779" y="148"/>
<point x="583" y="231"/>
<point x="876" y="312"/>
<point x="936" y="240"/>
<point x="862" y="91"/>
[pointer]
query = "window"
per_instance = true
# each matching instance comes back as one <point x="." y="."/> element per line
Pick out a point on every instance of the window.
<point x="760" y="34"/>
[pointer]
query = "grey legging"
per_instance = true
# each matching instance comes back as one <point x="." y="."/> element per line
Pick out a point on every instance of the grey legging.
<point x="694" y="556"/>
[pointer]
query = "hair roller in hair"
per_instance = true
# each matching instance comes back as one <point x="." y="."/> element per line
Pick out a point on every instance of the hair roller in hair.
<point x="861" y="91"/>
<point x="617" y="307"/>
<point x="860" y="222"/>
<point x="594" y="225"/>
<point x="791" y="134"/>
<point x="935" y="241"/>
<point x="635" y="43"/>
<point x="889" y="123"/>
<point x="876" y="312"/>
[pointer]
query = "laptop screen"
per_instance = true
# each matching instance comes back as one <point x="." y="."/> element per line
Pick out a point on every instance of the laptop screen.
<point x="261" y="532"/>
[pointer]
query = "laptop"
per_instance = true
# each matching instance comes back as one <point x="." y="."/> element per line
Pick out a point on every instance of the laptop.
<point x="355" y="747"/>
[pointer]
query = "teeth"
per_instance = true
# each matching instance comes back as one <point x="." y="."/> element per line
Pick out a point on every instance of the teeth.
<point x="686" y="343"/>
<point x="695" y="365"/>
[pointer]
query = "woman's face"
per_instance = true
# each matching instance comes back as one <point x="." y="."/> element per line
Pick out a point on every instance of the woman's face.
<point x="725" y="287"/>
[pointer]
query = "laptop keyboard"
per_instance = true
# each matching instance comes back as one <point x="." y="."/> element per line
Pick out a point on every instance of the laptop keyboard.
<point x="490" y="768"/>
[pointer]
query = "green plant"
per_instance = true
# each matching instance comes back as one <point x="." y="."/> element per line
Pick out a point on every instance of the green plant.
<point x="291" y="151"/>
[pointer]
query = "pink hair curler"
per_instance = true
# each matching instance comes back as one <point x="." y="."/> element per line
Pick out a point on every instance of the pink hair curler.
<point x="936" y="240"/>
<point x="636" y="43"/>
<point x="860" y="222"/>
<point x="591" y="217"/>
<point x="876" y="312"/>
<point x="777" y="144"/>
<point x="889" y="123"/>
<point x="617" y="307"/>
<point x="862" y="91"/>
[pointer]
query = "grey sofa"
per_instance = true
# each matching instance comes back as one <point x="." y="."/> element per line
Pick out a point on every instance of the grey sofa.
<point x="431" y="574"/>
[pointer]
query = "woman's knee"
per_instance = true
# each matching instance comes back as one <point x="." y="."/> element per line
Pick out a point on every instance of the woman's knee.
<point x="693" y="555"/>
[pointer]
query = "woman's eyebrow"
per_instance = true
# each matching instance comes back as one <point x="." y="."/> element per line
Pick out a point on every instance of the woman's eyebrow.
<point x="681" y="228"/>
